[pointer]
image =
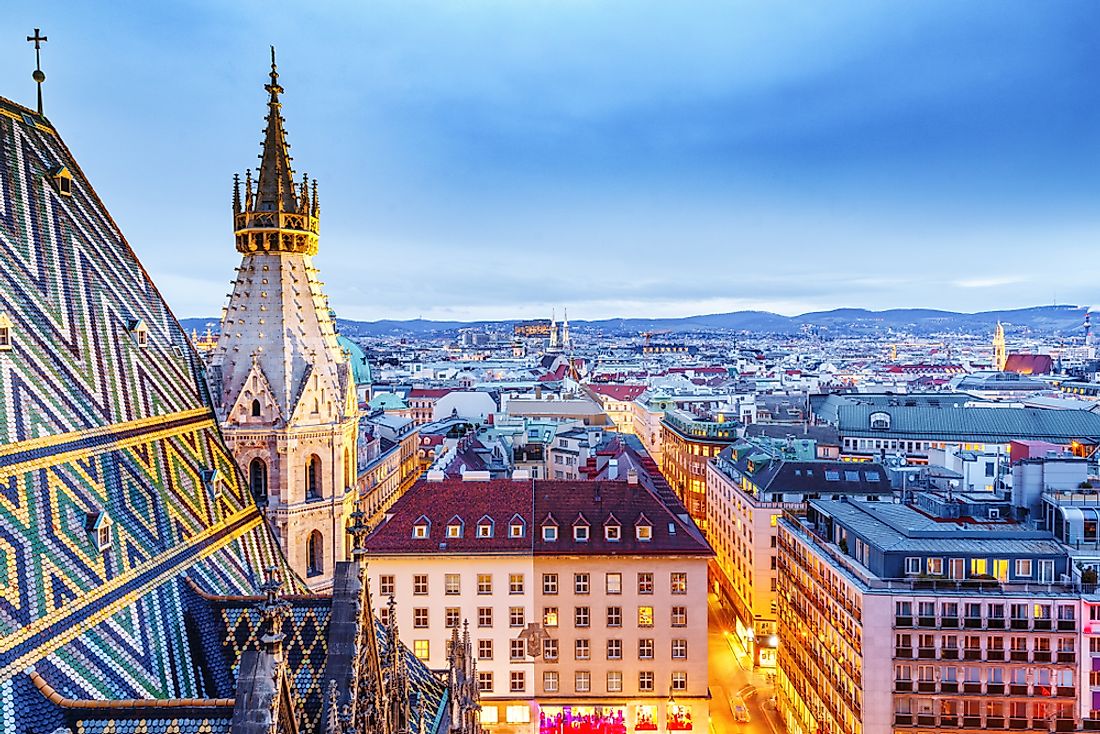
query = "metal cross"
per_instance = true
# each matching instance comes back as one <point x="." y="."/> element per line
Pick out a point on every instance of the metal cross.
<point x="38" y="39"/>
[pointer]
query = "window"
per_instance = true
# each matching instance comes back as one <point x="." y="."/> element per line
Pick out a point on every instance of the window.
<point x="420" y="617"/>
<point x="550" y="681"/>
<point x="484" y="616"/>
<point x="550" y="617"/>
<point x="549" y="533"/>
<point x="484" y="649"/>
<point x="679" y="616"/>
<point x="451" y="617"/>
<point x="581" y="583"/>
<point x="582" y="681"/>
<point x="1023" y="567"/>
<point x="679" y="649"/>
<point x="645" y="681"/>
<point x="485" y="685"/>
<point x="645" y="649"/>
<point x="580" y="533"/>
<point x="679" y="582"/>
<point x="484" y="583"/>
<point x="422" y="528"/>
<point x="313" y="478"/>
<point x="315" y="563"/>
<point x="257" y="479"/>
<point x="385" y="585"/>
<point x="581" y="650"/>
<point x="935" y="567"/>
<point x="516" y="617"/>
<point x="549" y="583"/>
<point x="421" y="649"/>
<point x="5" y="332"/>
<point x="645" y="616"/>
<point x="420" y="584"/>
<point x="549" y="649"/>
<point x="679" y="681"/>
<point x="485" y="528"/>
<point x="643" y="533"/>
<point x="518" y="713"/>
<point x="613" y="583"/>
<point x="516" y="528"/>
<point x="912" y="566"/>
<point x="517" y="649"/>
<point x="614" y="649"/>
<point x="614" y="681"/>
<point x="613" y="533"/>
<point x="645" y="583"/>
<point x="515" y="583"/>
<point x="581" y="617"/>
<point x="614" y="616"/>
<point x="452" y="584"/>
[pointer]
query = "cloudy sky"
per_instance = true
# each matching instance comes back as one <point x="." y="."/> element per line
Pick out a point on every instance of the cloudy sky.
<point x="486" y="159"/>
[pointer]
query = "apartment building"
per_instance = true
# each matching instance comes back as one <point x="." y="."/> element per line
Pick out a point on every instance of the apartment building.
<point x="895" y="619"/>
<point x="585" y="601"/>
<point x="749" y="486"/>
<point x="688" y="442"/>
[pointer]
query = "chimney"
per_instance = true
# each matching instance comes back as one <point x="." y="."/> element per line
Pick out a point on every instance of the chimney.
<point x="632" y="476"/>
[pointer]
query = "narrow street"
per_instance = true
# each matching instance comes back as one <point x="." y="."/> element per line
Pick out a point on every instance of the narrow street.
<point x="730" y="681"/>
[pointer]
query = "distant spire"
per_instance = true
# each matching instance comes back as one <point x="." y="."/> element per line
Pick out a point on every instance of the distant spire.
<point x="275" y="184"/>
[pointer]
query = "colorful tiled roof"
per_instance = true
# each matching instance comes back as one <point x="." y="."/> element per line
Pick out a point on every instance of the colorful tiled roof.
<point x="621" y="393"/>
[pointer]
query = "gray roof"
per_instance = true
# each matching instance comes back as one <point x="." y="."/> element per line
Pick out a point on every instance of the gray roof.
<point x="901" y="528"/>
<point x="970" y="424"/>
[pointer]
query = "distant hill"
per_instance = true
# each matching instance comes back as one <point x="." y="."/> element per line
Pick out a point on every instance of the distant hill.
<point x="1050" y="320"/>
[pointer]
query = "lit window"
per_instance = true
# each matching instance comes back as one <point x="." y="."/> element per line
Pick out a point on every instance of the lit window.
<point x="515" y="583"/>
<point x="645" y="616"/>
<point x="643" y="533"/>
<point x="679" y="681"/>
<point x="614" y="681"/>
<point x="550" y="617"/>
<point x="452" y="584"/>
<point x="5" y="332"/>
<point x="517" y="617"/>
<point x="582" y="681"/>
<point x="516" y="529"/>
<point x="679" y="582"/>
<point x="421" y="649"/>
<point x="518" y="714"/>
<point x="612" y="533"/>
<point x="485" y="583"/>
<point x="550" y="681"/>
<point x="454" y="529"/>
<point x="614" y="583"/>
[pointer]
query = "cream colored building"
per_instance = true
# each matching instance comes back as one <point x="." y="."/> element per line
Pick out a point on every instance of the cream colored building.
<point x="585" y="600"/>
<point x="282" y="385"/>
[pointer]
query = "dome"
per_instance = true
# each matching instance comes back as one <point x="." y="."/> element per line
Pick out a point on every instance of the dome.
<point x="360" y="367"/>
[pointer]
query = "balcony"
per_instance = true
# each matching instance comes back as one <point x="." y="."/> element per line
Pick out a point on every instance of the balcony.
<point x="995" y="623"/>
<point x="1019" y="624"/>
<point x="1017" y="723"/>
<point x="1042" y="656"/>
<point x="903" y="652"/>
<point x="993" y="723"/>
<point x="926" y="719"/>
<point x="972" y="722"/>
<point x="903" y="686"/>
<point x="994" y="654"/>
<point x="1067" y="657"/>
<point x="950" y="653"/>
<point x="1018" y="656"/>
<point x="997" y="688"/>
<point x="1067" y="625"/>
<point x="926" y="653"/>
<point x="1091" y="724"/>
<point x="973" y="623"/>
<point x="903" y="621"/>
<point x="1065" y="725"/>
<point x="972" y="687"/>
<point x="949" y="622"/>
<point x="926" y="621"/>
<point x="949" y="687"/>
<point x="949" y="721"/>
<point x="1017" y="689"/>
<point x="926" y="686"/>
<point x="905" y="720"/>
<point x="1043" y="624"/>
<point x="1065" y="692"/>
<point x="972" y="654"/>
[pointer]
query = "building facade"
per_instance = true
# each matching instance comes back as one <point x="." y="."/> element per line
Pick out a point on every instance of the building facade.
<point x="585" y="601"/>
<point x="282" y="384"/>
<point x="688" y="443"/>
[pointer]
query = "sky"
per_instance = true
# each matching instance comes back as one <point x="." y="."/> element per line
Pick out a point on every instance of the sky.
<point x="494" y="160"/>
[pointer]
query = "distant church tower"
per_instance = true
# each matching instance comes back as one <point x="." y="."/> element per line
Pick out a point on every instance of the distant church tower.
<point x="553" y="332"/>
<point x="566" y="342"/>
<point x="1000" y="357"/>
<point x="282" y="385"/>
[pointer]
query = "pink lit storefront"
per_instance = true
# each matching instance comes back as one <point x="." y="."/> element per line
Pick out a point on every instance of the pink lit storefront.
<point x="623" y="718"/>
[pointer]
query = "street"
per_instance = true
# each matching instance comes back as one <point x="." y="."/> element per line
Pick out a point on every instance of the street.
<point x="730" y="679"/>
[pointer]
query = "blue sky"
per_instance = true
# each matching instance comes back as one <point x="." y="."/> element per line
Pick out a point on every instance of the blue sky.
<point x="494" y="159"/>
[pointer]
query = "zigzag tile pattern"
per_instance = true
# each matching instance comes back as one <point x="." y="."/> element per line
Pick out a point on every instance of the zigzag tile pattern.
<point x="92" y="420"/>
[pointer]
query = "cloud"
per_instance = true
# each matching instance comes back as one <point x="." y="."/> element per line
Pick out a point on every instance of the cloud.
<point x="989" y="282"/>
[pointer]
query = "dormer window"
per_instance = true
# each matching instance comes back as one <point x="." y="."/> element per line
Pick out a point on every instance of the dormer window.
<point x="613" y="533"/>
<point x="140" y="331"/>
<point x="5" y="332"/>
<point x="580" y="533"/>
<point x="880" y="420"/>
<point x="422" y="528"/>
<point x="517" y="528"/>
<point x="550" y="533"/>
<point x="485" y="527"/>
<point x="62" y="180"/>
<point x="643" y="533"/>
<point x="98" y="526"/>
<point x="455" y="527"/>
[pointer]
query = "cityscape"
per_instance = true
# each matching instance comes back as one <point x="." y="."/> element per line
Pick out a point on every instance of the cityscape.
<point x="586" y="514"/>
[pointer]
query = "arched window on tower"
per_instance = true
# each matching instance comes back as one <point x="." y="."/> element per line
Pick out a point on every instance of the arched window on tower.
<point x="255" y="408"/>
<point x="257" y="480"/>
<point x="313" y="478"/>
<point x="347" y="469"/>
<point x="315" y="564"/>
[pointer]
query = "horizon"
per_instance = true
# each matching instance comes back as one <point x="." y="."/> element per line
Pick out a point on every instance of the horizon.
<point x="498" y="162"/>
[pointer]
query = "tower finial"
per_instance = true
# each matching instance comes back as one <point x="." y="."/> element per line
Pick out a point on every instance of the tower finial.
<point x="39" y="76"/>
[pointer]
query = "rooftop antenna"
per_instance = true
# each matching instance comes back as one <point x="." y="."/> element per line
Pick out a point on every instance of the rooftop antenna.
<point x="39" y="76"/>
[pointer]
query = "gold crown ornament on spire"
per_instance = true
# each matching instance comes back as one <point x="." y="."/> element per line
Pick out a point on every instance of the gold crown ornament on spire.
<point x="279" y="215"/>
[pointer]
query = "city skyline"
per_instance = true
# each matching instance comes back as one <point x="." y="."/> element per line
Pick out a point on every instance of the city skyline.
<point x="858" y="159"/>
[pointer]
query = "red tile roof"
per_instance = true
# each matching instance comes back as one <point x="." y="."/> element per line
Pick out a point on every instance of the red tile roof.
<point x="1029" y="364"/>
<point x="430" y="392"/>
<point x="566" y="502"/>
<point x="621" y="393"/>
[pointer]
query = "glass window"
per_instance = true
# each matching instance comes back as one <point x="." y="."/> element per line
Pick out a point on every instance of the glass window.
<point x="581" y="650"/>
<point x="420" y="617"/>
<point x="614" y="649"/>
<point x="614" y="583"/>
<point x="614" y="616"/>
<point x="645" y="583"/>
<point x="645" y="649"/>
<point x="679" y="649"/>
<point x="549" y="649"/>
<point x="549" y="583"/>
<point x="582" y="681"/>
<point x="517" y="649"/>
<point x="517" y="681"/>
<point x="451" y="617"/>
<point x="645" y="616"/>
<point x="645" y="681"/>
<point x="420" y="584"/>
<point x="679" y="616"/>
<point x="484" y="616"/>
<point x="515" y="583"/>
<point x="614" y="681"/>
<point x="385" y="585"/>
<point x="550" y="681"/>
<point x="581" y="617"/>
<point x="452" y="584"/>
<point x="485" y="685"/>
<point x="549" y="533"/>
<point x="516" y="617"/>
<point x="421" y="649"/>
<point x="484" y="649"/>
<point x="581" y="583"/>
<point x="679" y="582"/>
<point x="485" y="583"/>
<point x="550" y="617"/>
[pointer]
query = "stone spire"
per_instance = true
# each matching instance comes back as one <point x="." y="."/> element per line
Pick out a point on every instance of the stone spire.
<point x="280" y="216"/>
<point x="1000" y="356"/>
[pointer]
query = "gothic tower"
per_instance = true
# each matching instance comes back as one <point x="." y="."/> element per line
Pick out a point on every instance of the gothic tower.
<point x="281" y="383"/>
<point x="1000" y="357"/>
